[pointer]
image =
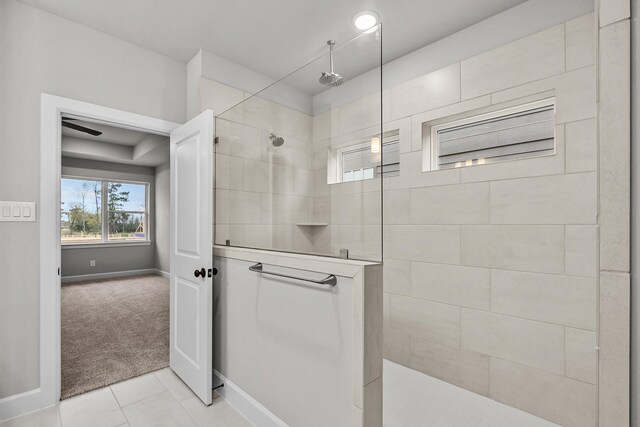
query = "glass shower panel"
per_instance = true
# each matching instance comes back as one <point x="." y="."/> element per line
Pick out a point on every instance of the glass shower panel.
<point x="286" y="157"/>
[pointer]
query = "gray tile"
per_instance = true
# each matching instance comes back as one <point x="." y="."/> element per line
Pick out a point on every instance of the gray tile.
<point x="136" y="389"/>
<point x="174" y="384"/>
<point x="43" y="418"/>
<point x="219" y="414"/>
<point x="97" y="408"/>
<point x="161" y="410"/>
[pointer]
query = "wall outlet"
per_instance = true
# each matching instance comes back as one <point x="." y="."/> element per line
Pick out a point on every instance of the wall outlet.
<point x="92" y="263"/>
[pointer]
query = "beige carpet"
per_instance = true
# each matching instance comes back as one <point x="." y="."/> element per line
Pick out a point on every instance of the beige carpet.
<point x="113" y="330"/>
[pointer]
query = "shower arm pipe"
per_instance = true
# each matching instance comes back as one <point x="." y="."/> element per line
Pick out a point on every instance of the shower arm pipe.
<point x="331" y="55"/>
<point x="330" y="280"/>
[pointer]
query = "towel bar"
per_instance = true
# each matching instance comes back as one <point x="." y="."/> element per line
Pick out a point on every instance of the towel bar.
<point x="329" y="280"/>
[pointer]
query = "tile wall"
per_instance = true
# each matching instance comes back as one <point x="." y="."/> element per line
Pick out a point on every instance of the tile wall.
<point x="490" y="271"/>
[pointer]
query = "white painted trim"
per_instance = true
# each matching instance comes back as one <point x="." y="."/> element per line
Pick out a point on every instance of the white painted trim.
<point x="163" y="273"/>
<point x="19" y="404"/>
<point x="51" y="108"/>
<point x="111" y="275"/>
<point x="253" y="410"/>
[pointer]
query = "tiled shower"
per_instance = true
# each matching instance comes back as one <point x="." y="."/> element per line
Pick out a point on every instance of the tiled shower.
<point x="489" y="269"/>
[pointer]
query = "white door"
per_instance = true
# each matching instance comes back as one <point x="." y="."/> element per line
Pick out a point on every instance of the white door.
<point x="191" y="242"/>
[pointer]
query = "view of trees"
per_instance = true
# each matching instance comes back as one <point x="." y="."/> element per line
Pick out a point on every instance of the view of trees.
<point x="83" y="216"/>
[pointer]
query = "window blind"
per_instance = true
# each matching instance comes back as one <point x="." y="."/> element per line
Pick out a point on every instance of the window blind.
<point x="519" y="135"/>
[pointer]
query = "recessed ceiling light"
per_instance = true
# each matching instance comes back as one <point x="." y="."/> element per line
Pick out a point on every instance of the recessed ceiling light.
<point x="365" y="20"/>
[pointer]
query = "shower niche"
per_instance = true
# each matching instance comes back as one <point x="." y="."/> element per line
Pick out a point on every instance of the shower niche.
<point x="299" y="164"/>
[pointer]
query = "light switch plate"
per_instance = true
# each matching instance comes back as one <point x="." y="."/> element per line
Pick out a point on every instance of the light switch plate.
<point x="17" y="211"/>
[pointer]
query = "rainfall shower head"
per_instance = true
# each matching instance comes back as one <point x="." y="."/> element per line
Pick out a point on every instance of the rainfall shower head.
<point x="276" y="141"/>
<point x="330" y="78"/>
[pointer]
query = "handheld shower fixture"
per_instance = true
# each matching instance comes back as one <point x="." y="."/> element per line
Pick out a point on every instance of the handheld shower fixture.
<point x="276" y="141"/>
<point x="330" y="78"/>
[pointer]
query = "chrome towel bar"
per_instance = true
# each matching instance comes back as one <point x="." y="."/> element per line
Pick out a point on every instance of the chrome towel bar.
<point x="329" y="280"/>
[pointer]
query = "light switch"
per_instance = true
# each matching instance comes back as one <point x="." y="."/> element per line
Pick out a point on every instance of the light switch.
<point x="18" y="211"/>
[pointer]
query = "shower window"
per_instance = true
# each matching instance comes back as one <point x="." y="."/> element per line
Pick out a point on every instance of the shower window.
<point x="516" y="133"/>
<point x="370" y="159"/>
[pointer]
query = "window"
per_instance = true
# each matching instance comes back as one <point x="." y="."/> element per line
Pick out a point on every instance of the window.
<point x="89" y="218"/>
<point x="515" y="133"/>
<point x="363" y="161"/>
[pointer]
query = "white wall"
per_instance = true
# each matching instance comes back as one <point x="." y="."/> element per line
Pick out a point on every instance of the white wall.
<point x="40" y="52"/>
<point x="162" y="218"/>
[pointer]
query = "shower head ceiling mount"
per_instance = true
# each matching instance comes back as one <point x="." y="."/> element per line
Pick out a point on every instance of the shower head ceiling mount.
<point x="330" y="78"/>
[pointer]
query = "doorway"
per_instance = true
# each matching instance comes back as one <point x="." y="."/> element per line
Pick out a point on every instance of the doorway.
<point x="54" y="110"/>
<point x="114" y="230"/>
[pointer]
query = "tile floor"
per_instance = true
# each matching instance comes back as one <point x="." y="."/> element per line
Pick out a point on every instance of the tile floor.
<point x="157" y="399"/>
<point x="413" y="399"/>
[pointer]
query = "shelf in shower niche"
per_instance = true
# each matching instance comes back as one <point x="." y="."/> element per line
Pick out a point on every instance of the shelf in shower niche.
<point x="312" y="224"/>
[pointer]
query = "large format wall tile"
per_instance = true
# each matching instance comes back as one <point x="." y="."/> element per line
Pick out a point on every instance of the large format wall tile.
<point x="396" y="346"/>
<point x="582" y="146"/>
<point x="229" y="172"/>
<point x="455" y="365"/>
<point x="270" y="116"/>
<point x="581" y="250"/>
<point x="559" y="399"/>
<point x="559" y="199"/>
<point x="397" y="276"/>
<point x="427" y="92"/>
<point x="397" y="207"/>
<point x="581" y="355"/>
<point x="238" y="140"/>
<point x="537" y="248"/>
<point x="452" y="204"/>
<point x="360" y="114"/>
<point x="437" y="322"/>
<point x="219" y="98"/>
<point x="614" y="342"/>
<point x="580" y="42"/>
<point x="576" y="95"/>
<point x="536" y="344"/>
<point x="238" y="207"/>
<point x="614" y="10"/>
<point x="562" y="300"/>
<point x="615" y="162"/>
<point x="429" y="243"/>
<point x="531" y="58"/>
<point x="452" y="284"/>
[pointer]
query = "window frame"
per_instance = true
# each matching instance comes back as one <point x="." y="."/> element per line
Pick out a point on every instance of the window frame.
<point x="434" y="129"/>
<point x="104" y="214"/>
<point x="339" y="154"/>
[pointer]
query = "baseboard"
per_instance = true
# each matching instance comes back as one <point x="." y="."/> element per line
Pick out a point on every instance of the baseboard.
<point x="163" y="273"/>
<point x="19" y="404"/>
<point x="110" y="275"/>
<point x="247" y="405"/>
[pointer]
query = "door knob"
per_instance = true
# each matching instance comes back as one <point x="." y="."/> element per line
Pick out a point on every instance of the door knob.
<point x="212" y="272"/>
<point x="198" y="273"/>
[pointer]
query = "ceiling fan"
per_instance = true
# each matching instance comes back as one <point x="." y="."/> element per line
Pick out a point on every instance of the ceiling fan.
<point x="65" y="123"/>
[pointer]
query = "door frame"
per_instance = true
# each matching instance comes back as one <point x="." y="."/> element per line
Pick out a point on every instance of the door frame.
<point x="51" y="109"/>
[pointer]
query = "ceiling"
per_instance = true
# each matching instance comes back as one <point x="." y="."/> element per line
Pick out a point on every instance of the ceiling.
<point x="117" y="145"/>
<point x="272" y="37"/>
